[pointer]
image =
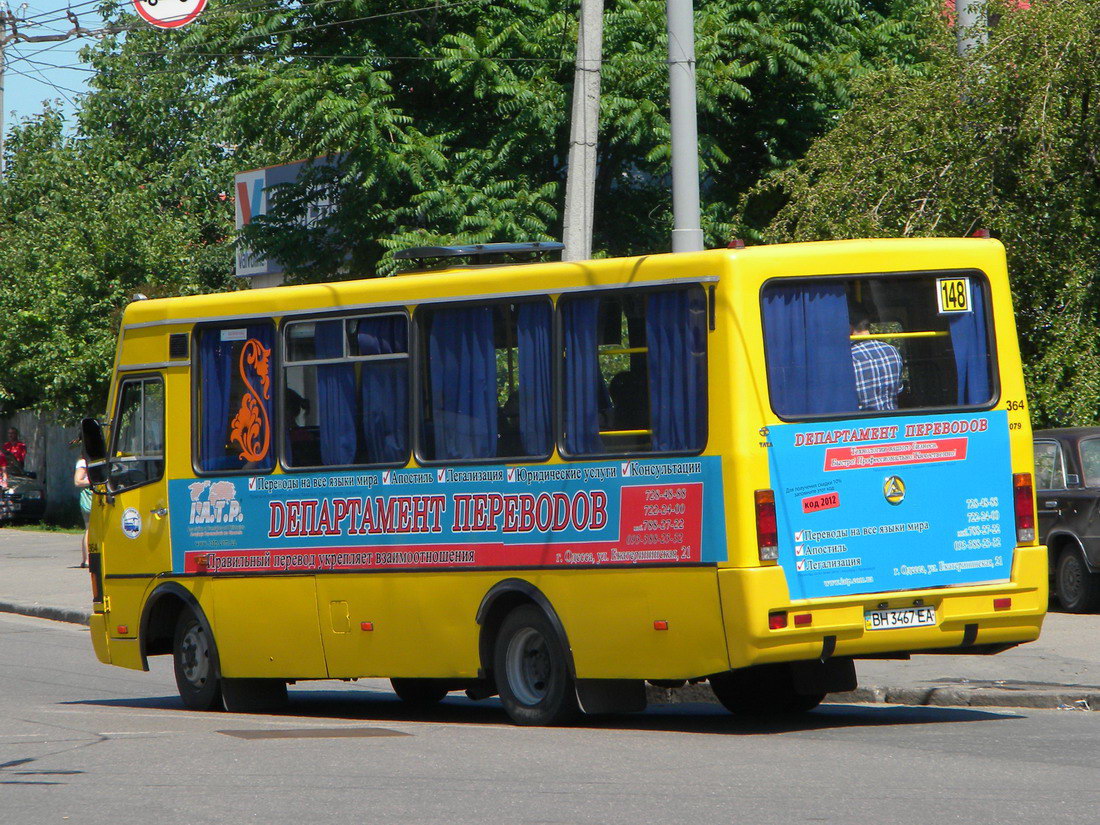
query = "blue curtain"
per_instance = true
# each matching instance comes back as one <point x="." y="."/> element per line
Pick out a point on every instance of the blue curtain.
<point x="335" y="396"/>
<point x="535" y="391"/>
<point x="583" y="383"/>
<point x="219" y="363"/>
<point x="384" y="388"/>
<point x="676" y="334"/>
<point x="463" y="383"/>
<point x="809" y="353"/>
<point x="971" y="346"/>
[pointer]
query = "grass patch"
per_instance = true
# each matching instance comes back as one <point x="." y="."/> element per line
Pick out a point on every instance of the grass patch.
<point x="43" y="527"/>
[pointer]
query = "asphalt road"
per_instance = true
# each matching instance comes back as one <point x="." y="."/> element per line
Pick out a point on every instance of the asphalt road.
<point x="81" y="742"/>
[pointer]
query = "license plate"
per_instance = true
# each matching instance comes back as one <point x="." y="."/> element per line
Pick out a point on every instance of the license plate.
<point x="899" y="617"/>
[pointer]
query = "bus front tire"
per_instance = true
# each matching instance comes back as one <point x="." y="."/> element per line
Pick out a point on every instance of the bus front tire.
<point x="531" y="669"/>
<point x="420" y="693"/>
<point x="763" y="690"/>
<point x="1078" y="589"/>
<point x="195" y="659"/>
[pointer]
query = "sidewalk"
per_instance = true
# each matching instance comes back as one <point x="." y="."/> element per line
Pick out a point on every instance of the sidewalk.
<point x="40" y="576"/>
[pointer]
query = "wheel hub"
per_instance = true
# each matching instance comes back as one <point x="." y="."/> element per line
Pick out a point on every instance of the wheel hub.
<point x="529" y="668"/>
<point x="195" y="657"/>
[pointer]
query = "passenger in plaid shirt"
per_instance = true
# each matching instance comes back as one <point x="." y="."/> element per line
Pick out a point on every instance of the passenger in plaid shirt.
<point x="878" y="368"/>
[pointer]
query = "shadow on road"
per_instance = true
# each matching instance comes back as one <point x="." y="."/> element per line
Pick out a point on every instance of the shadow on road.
<point x="378" y="706"/>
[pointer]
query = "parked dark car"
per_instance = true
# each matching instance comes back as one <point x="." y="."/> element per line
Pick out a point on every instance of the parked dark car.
<point x="24" y="499"/>
<point x="1067" y="485"/>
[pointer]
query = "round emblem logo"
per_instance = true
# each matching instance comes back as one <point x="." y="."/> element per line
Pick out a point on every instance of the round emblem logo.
<point x="131" y="523"/>
<point x="894" y="489"/>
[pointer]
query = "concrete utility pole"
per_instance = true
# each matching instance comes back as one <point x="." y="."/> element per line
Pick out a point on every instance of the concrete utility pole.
<point x="970" y="25"/>
<point x="687" y="236"/>
<point x="580" y="181"/>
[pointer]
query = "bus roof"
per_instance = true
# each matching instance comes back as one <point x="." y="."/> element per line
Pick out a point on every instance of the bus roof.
<point x="502" y="281"/>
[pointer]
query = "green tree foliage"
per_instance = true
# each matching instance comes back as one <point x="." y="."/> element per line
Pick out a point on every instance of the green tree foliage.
<point x="452" y="122"/>
<point x="1005" y="140"/>
<point x="127" y="203"/>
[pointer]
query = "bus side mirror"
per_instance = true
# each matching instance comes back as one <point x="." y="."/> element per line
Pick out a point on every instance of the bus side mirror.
<point x="95" y="451"/>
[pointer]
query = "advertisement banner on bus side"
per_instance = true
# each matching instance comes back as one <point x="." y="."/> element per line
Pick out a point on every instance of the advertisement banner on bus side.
<point x="576" y="515"/>
<point x="897" y="503"/>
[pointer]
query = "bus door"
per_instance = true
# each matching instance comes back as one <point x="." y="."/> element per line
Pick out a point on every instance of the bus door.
<point x="135" y="536"/>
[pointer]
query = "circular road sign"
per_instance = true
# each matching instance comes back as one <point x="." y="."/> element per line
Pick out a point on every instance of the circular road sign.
<point x="169" y="14"/>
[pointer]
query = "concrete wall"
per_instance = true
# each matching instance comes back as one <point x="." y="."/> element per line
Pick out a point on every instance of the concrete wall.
<point x="53" y="458"/>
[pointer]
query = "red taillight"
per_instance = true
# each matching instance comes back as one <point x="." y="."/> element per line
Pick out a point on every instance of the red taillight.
<point x="767" y="534"/>
<point x="660" y="624"/>
<point x="1002" y="604"/>
<point x="1024" y="504"/>
<point x="367" y="627"/>
<point x="803" y="619"/>
<point x="777" y="621"/>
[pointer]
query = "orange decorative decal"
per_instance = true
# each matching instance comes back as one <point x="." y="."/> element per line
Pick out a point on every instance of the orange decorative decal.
<point x="251" y="428"/>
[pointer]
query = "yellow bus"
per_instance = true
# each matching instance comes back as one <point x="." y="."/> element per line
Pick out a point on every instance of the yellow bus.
<point x="556" y="481"/>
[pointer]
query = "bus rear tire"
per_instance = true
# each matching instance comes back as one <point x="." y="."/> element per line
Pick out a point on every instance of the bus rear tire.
<point x="763" y="690"/>
<point x="195" y="660"/>
<point x="1078" y="589"/>
<point x="420" y="693"/>
<point x="531" y="669"/>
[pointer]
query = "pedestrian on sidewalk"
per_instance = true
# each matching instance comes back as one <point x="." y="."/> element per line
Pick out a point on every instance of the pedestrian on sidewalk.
<point x="15" y="451"/>
<point x="80" y="479"/>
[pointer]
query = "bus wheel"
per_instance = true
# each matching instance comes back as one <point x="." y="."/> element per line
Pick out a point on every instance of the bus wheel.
<point x="420" y="693"/>
<point x="764" y="690"/>
<point x="531" y="670"/>
<point x="1078" y="589"/>
<point x="196" y="663"/>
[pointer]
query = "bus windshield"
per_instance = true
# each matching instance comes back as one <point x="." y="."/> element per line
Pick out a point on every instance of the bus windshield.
<point x="876" y="344"/>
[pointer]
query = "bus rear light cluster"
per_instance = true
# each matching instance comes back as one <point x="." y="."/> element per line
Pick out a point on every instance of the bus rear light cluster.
<point x="767" y="534"/>
<point x="1024" y="505"/>
<point x="1002" y="604"/>
<point x="803" y="619"/>
<point x="777" y="620"/>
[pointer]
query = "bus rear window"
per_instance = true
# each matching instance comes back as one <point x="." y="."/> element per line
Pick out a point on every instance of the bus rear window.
<point x="877" y="344"/>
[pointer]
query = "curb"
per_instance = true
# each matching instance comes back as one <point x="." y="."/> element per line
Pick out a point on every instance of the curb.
<point x="1061" y="697"/>
<point x="41" y="611"/>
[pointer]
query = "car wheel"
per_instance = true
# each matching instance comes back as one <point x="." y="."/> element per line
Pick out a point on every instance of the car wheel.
<point x="1078" y="589"/>
<point x="195" y="658"/>
<point x="531" y="669"/>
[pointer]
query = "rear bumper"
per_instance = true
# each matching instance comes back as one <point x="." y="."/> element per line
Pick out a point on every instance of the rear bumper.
<point x="965" y="616"/>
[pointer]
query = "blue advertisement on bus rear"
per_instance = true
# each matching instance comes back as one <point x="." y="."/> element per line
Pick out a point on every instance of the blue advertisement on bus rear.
<point x="612" y="513"/>
<point x="897" y="503"/>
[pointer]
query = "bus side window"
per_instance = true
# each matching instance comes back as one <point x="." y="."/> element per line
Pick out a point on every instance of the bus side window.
<point x="236" y="398"/>
<point x="635" y="372"/>
<point x="346" y="394"/>
<point x="137" y="455"/>
<point x="487" y="381"/>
